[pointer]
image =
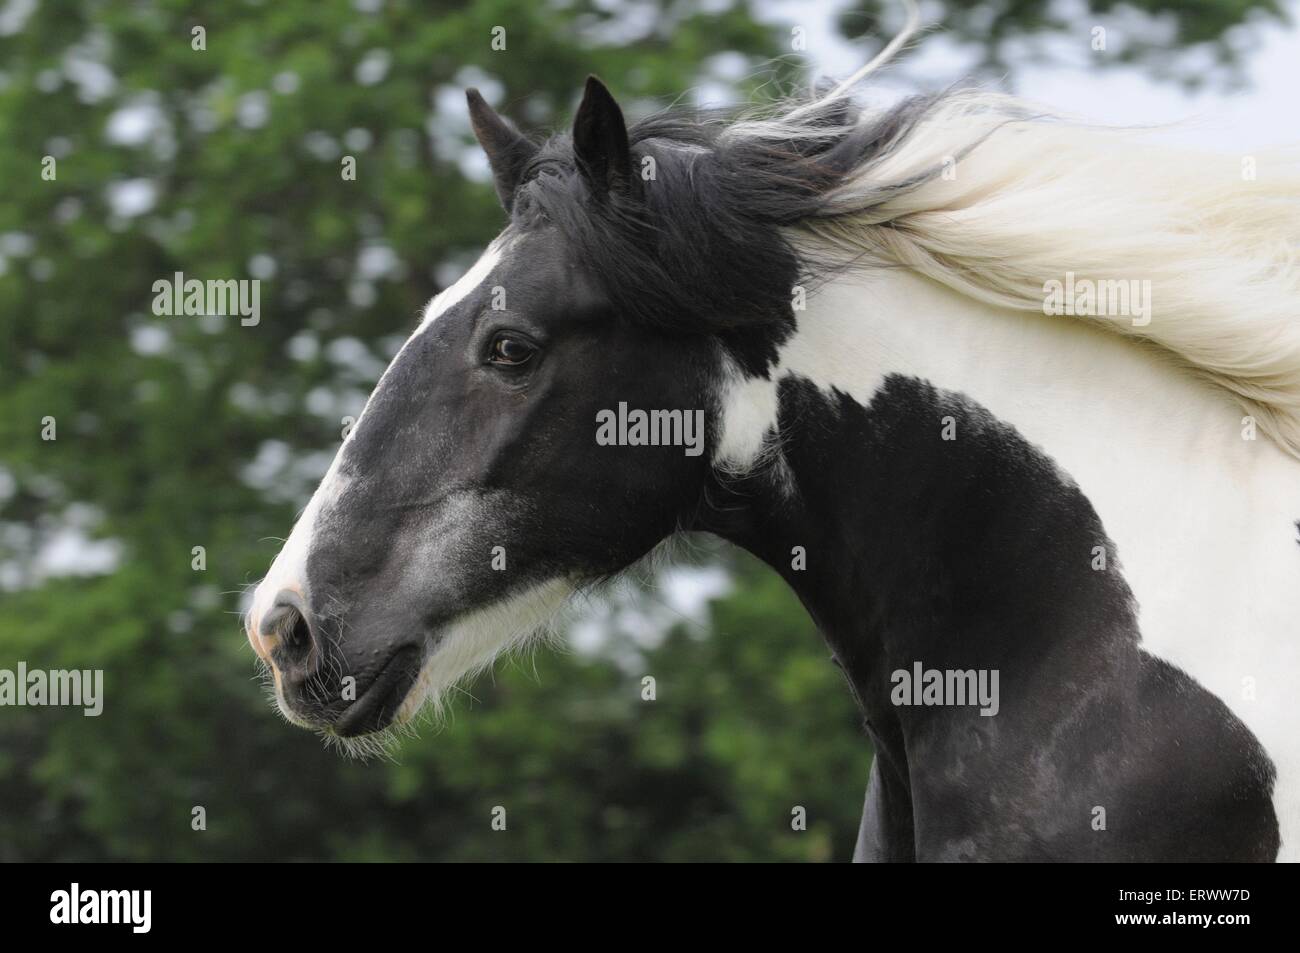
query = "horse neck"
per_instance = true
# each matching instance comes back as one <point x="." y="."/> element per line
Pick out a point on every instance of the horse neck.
<point x="952" y="468"/>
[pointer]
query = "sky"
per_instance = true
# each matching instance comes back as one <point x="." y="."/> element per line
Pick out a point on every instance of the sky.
<point x="1263" y="113"/>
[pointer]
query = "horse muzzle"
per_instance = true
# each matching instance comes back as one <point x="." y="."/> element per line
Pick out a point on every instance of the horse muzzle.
<point x="318" y="685"/>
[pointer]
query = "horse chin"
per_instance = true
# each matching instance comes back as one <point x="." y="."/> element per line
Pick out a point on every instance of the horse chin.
<point x="380" y="738"/>
<point x="385" y="698"/>
<point x="422" y="676"/>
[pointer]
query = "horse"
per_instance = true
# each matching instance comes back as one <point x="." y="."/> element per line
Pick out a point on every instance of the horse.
<point x="1010" y="401"/>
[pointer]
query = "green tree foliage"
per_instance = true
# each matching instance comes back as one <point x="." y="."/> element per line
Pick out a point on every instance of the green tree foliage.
<point x="181" y="432"/>
<point x="132" y="151"/>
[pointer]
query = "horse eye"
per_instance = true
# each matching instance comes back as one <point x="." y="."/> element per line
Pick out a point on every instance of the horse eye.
<point x="511" y="350"/>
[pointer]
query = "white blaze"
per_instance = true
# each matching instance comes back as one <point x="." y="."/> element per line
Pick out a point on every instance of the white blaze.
<point x="289" y="570"/>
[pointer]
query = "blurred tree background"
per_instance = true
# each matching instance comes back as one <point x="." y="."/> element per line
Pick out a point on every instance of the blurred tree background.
<point x="179" y="432"/>
<point x="1191" y="42"/>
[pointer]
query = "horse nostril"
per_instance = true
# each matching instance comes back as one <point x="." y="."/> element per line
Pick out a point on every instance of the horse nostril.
<point x="299" y="636"/>
<point x="287" y="622"/>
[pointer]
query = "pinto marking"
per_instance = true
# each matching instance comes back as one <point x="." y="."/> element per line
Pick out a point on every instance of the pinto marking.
<point x="1203" y="521"/>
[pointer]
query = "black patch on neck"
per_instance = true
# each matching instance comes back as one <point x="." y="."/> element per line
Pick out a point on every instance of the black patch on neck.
<point x="978" y="553"/>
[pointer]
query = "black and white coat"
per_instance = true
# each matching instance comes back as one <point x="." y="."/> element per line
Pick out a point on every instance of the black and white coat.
<point x="942" y="472"/>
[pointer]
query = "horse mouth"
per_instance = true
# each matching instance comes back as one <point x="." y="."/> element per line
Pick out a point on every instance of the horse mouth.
<point x="379" y="703"/>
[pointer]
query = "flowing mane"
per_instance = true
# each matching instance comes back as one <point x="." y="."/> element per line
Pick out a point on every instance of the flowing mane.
<point x="1031" y="198"/>
<point x="983" y="192"/>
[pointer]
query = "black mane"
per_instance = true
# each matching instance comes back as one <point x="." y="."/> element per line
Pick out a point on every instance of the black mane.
<point x="697" y="244"/>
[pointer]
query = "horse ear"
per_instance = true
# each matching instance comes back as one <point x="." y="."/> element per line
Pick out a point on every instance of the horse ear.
<point x="507" y="150"/>
<point x="600" y="140"/>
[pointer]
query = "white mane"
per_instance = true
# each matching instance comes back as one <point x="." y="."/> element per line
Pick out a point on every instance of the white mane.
<point x="996" y="197"/>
